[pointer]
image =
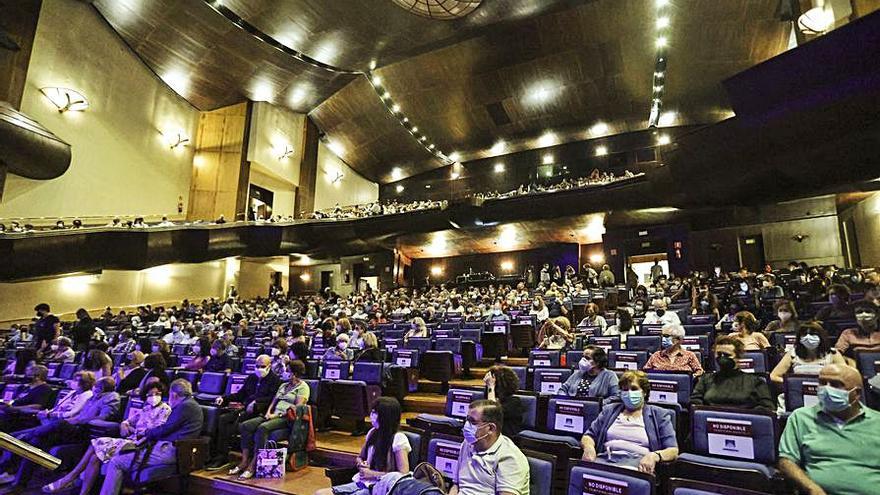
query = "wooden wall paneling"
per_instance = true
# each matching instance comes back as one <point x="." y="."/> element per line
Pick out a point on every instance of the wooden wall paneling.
<point x="19" y="23"/>
<point x="308" y="170"/>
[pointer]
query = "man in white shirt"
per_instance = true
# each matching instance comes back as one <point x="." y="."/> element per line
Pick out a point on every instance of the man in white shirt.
<point x="660" y="316"/>
<point x="489" y="462"/>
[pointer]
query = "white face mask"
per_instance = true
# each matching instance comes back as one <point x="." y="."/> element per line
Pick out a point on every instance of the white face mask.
<point x="784" y="315"/>
<point x="342" y="345"/>
<point x="54" y="347"/>
<point x="274" y="334"/>
<point x="154" y="400"/>
<point x="275" y="351"/>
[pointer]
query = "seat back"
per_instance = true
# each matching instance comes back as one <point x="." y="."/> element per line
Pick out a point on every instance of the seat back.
<point x="800" y="391"/>
<point x="471" y="334"/>
<point x="752" y="362"/>
<point x="407" y="358"/>
<point x="627" y="360"/>
<point x="541" y="469"/>
<point x="670" y="387"/>
<point x="473" y="325"/>
<point x="497" y="326"/>
<point x="392" y="344"/>
<point x="134" y="404"/>
<point x="448" y="344"/>
<point x="696" y="343"/>
<point x="601" y="479"/>
<point x="650" y="328"/>
<point x="521" y="373"/>
<point x="234" y="383"/>
<point x="572" y="358"/>
<point x="609" y="342"/>
<point x="648" y="343"/>
<point x="67" y="371"/>
<point x="530" y="411"/>
<point x="422" y="344"/>
<point x="443" y="454"/>
<point x="444" y="333"/>
<point x="212" y="383"/>
<point x="458" y="400"/>
<point x="678" y="486"/>
<point x="868" y="363"/>
<point x="190" y="376"/>
<point x="572" y="416"/>
<point x="369" y="373"/>
<point x="335" y="370"/>
<point x="543" y="359"/>
<point x="549" y="380"/>
<point x="522" y="336"/>
<point x="784" y="340"/>
<point x="349" y="399"/>
<point x="54" y="368"/>
<point x="415" y="441"/>
<point x="736" y="434"/>
<point x="438" y="366"/>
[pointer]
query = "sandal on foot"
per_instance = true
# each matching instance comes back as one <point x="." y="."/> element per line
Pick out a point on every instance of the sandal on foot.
<point x="57" y="487"/>
<point x="246" y="475"/>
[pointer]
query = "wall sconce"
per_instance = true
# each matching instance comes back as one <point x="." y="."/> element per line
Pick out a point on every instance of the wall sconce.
<point x="178" y="140"/>
<point x="338" y="177"/>
<point x="66" y="99"/>
<point x="286" y="153"/>
<point x="800" y="237"/>
<point x="305" y="277"/>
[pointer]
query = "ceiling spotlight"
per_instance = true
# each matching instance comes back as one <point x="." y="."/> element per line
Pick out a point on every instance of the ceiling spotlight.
<point x="423" y="138"/>
<point x="658" y="89"/>
<point x="662" y="22"/>
<point x="386" y="95"/>
<point x="372" y="64"/>
<point x="427" y="186"/>
<point x="415" y="129"/>
<point x="396" y="173"/>
<point x="430" y="147"/>
<point x="336" y="148"/>
<point x="662" y="3"/>
<point x="66" y="100"/>
<point x="658" y="75"/>
<point x="661" y="41"/>
<point x="498" y="147"/>
<point x="395" y="108"/>
<point x="599" y="129"/>
<point x="454" y="156"/>
<point x="399" y="189"/>
<point x="601" y="150"/>
<point x="547" y="139"/>
<point x="377" y="80"/>
<point x="548" y="159"/>
<point x="499" y="167"/>
<point x="663" y="140"/>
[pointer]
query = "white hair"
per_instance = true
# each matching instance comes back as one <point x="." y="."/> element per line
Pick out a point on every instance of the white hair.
<point x="674" y="329"/>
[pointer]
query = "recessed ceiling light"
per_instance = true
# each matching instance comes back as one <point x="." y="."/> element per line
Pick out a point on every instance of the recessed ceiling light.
<point x="405" y="120"/>
<point x="430" y="147"/>
<point x="427" y="186"/>
<point x="663" y="140"/>
<point x="548" y="159"/>
<point x="662" y="22"/>
<point x="377" y="80"/>
<point x="396" y="173"/>
<point x="454" y="175"/>
<point x="372" y="64"/>
<point x="599" y="129"/>
<point x="399" y="188"/>
<point x="454" y="156"/>
<point x="547" y="139"/>
<point x="499" y="167"/>
<point x="386" y="95"/>
<point x="662" y="3"/>
<point x="415" y="129"/>
<point x="423" y="138"/>
<point x="601" y="150"/>
<point x="661" y="41"/>
<point x="498" y="147"/>
<point x="395" y="108"/>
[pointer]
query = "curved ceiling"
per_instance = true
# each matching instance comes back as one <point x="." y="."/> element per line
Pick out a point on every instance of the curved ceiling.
<point x="511" y="70"/>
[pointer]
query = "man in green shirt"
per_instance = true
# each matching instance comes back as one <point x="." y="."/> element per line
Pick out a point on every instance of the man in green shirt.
<point x="831" y="448"/>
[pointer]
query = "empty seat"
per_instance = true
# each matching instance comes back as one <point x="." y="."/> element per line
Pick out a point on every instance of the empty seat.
<point x="678" y="486"/>
<point x="234" y="383"/>
<point x="439" y="366"/>
<point x="522" y="336"/>
<point x="800" y="391"/>
<point x="451" y="344"/>
<point x="696" y="343"/>
<point x="211" y="386"/>
<point x="351" y="399"/>
<point x="421" y="344"/>
<point x="572" y="416"/>
<point x="650" y="329"/>
<point x="670" y="388"/>
<point x="648" y="343"/>
<point x="627" y="360"/>
<point x="530" y="411"/>
<point x="549" y="380"/>
<point x="458" y="400"/>
<point x="190" y="376"/>
<point x="596" y="478"/>
<point x="392" y="344"/>
<point x="572" y="358"/>
<point x="521" y="373"/>
<point x="541" y="470"/>
<point x="544" y="359"/>
<point x="443" y="454"/>
<point x="335" y="370"/>
<point x="868" y="363"/>
<point x="609" y="343"/>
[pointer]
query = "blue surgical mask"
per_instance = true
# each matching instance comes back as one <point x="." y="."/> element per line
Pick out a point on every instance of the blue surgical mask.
<point x="811" y="341"/>
<point x="666" y="342"/>
<point x="585" y="365"/>
<point x="833" y="399"/>
<point x="469" y="431"/>
<point x="632" y="399"/>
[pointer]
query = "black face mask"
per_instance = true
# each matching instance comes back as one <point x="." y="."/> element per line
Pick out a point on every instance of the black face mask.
<point x="661" y="312"/>
<point x="725" y="363"/>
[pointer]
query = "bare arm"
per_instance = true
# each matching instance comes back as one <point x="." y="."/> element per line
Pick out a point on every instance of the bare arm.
<point x="782" y="367"/>
<point x="797" y="475"/>
<point x="589" y="446"/>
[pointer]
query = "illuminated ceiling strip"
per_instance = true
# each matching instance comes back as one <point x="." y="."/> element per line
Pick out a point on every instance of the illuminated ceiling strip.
<point x="658" y="87"/>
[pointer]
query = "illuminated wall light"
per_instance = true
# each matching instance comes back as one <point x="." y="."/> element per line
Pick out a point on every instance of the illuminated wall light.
<point x="177" y="80"/>
<point x="597" y="258"/>
<point x="386" y="95"/>
<point x="431" y="146"/>
<point x="661" y="42"/>
<point x="372" y="64"/>
<point x="663" y="22"/>
<point x="199" y="160"/>
<point x="396" y="173"/>
<point x="507" y="238"/>
<point x="667" y="119"/>
<point x="399" y="189"/>
<point x="77" y="285"/>
<point x="548" y="159"/>
<point x="376" y="80"/>
<point x="601" y="150"/>
<point x="507" y="266"/>
<point x="663" y="140"/>
<point x="427" y="186"/>
<point x="436" y="270"/>
<point x="159" y="275"/>
<point x="454" y="175"/>
<point x="599" y="129"/>
<point x="395" y="108"/>
<point x="305" y="277"/>
<point x="498" y="147"/>
<point x="547" y="139"/>
<point x="658" y="89"/>
<point x="499" y="167"/>
<point x="659" y="75"/>
<point x="454" y="156"/>
<point x="423" y="138"/>
<point x="66" y="100"/>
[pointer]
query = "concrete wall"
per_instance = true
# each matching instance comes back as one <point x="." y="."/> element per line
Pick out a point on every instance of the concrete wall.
<point x="284" y="192"/>
<point x="255" y="275"/>
<point x="275" y="130"/>
<point x="351" y="189"/>
<point x="122" y="164"/>
<point x="866" y="216"/>
<point x="118" y="288"/>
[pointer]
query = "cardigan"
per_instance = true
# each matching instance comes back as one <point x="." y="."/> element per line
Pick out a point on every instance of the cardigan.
<point x="658" y="426"/>
<point x="603" y="384"/>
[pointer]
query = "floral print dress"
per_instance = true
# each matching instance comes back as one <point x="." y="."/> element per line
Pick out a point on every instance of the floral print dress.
<point x="140" y="420"/>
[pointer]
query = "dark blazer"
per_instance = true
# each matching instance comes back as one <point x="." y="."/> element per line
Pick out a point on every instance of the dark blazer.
<point x="184" y="422"/>
<point x="131" y="380"/>
<point x="658" y="426"/>
<point x="255" y="389"/>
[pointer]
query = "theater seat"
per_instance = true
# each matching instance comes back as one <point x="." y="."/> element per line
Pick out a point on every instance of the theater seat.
<point x="405" y="358"/>
<point x="443" y="453"/>
<point x="211" y="386"/>
<point x="602" y="478"/>
<point x="438" y="366"/>
<point x="678" y="486"/>
<point x="541" y="471"/>
<point x="530" y="410"/>
<point x="350" y="399"/>
<point x="627" y="360"/>
<point x="648" y="343"/>
<point x="415" y="441"/>
<point x="421" y="344"/>
<point x="800" y="391"/>
<point x="544" y="359"/>
<point x="549" y="380"/>
<point x="458" y="400"/>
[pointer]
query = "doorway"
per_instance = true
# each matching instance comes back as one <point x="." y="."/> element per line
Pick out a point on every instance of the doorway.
<point x="326" y="280"/>
<point x="642" y="264"/>
<point x="372" y="282"/>
<point x="751" y="252"/>
<point x="260" y="203"/>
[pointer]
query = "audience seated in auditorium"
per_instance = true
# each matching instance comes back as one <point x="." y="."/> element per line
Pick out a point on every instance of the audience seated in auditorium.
<point x="865" y="336"/>
<point x="592" y="378"/>
<point x="58" y="429"/>
<point x="218" y="361"/>
<point x="624" y="326"/>
<point x="745" y="328"/>
<point x="370" y="351"/>
<point x="555" y="334"/>
<point x="255" y="432"/>
<point x="385" y="450"/>
<point x="184" y="422"/>
<point x="419" y="329"/>
<point x="249" y="402"/>
<point x="704" y="302"/>
<point x="787" y="318"/>
<point x="155" y="366"/>
<point x="832" y="447"/>
<point x="129" y="376"/>
<point x="631" y="433"/>
<point x="501" y="385"/>
<point x="729" y="386"/>
<point x="840" y="307"/>
<point x="34" y="396"/>
<point x="152" y="414"/>
<point x="592" y="318"/>
<point x="539" y="309"/>
<point x="201" y="352"/>
<point x="60" y="351"/>
<point x="671" y="356"/>
<point x="340" y="351"/>
<point x="659" y="315"/>
<point x="811" y="352"/>
<point x="99" y="363"/>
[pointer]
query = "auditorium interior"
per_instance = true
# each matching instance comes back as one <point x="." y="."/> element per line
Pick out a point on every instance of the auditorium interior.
<point x="463" y="247"/>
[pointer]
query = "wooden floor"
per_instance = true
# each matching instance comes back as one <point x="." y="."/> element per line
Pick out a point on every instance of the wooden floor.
<point x="303" y="482"/>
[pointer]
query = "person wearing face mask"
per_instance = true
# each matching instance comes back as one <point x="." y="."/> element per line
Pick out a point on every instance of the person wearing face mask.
<point x="865" y="337"/>
<point x="632" y="433"/>
<point x="175" y="336"/>
<point x="810" y="354"/>
<point x="81" y="385"/>
<point x="339" y="352"/>
<point x="370" y="351"/>
<point x="47" y="327"/>
<point x="201" y="352"/>
<point x="489" y="462"/>
<point x="129" y="376"/>
<point x="126" y="342"/>
<point x="745" y="328"/>
<point x="35" y="396"/>
<point x="671" y="356"/>
<point x="184" y="423"/>
<point x="840" y="308"/>
<point x="555" y="334"/>
<point x="624" y="326"/>
<point x="155" y="365"/>
<point x="730" y="386"/>
<point x="787" y="321"/>
<point x="539" y="309"/>
<point x="704" y="303"/>
<point x="218" y="361"/>
<point x="501" y="385"/>
<point x="660" y="315"/>
<point x="769" y="289"/>
<point x="249" y="402"/>
<point x="385" y="450"/>
<point x="419" y="329"/>
<point x="102" y="405"/>
<point x="832" y="447"/>
<point x="255" y="432"/>
<point x="280" y="357"/>
<point x="152" y="414"/>
<point x="592" y="318"/>
<point x="60" y="351"/>
<point x="592" y="378"/>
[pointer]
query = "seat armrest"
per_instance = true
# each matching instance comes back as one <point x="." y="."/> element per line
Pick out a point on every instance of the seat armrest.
<point x="192" y="454"/>
<point x="340" y="475"/>
<point x="102" y="428"/>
